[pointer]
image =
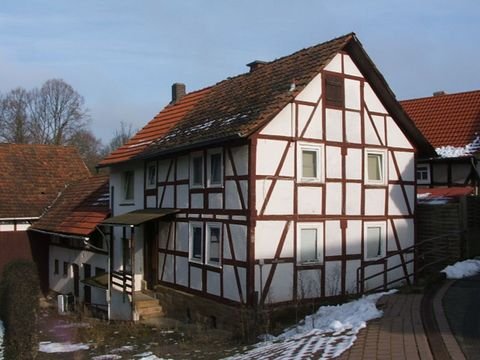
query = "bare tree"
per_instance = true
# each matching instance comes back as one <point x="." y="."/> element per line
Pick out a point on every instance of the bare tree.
<point x="56" y="113"/>
<point x="14" y="127"/>
<point x="121" y="136"/>
<point x="89" y="147"/>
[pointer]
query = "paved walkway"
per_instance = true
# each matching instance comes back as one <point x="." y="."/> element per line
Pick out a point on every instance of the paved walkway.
<point x="399" y="334"/>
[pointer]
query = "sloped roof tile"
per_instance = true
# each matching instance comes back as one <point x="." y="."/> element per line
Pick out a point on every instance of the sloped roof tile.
<point x="81" y="206"/>
<point x="34" y="175"/>
<point x="450" y="119"/>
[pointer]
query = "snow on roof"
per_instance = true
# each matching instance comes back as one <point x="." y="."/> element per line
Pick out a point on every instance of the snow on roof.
<point x="458" y="151"/>
<point x="332" y="329"/>
<point x="462" y="269"/>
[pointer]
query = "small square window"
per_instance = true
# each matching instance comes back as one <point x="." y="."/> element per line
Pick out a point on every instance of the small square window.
<point x="375" y="245"/>
<point x="375" y="167"/>
<point x="334" y="92"/>
<point x="197" y="170"/>
<point x="310" y="244"/>
<point x="214" y="236"/>
<point x="196" y="242"/>
<point x="56" y="267"/>
<point x="309" y="163"/>
<point x="423" y="174"/>
<point x="65" y="269"/>
<point x="128" y="185"/>
<point x="215" y="168"/>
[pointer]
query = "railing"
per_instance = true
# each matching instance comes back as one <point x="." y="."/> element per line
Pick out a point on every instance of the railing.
<point x="123" y="281"/>
<point x="427" y="256"/>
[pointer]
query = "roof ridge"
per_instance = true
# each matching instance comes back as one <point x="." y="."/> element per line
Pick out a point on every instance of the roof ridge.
<point x="440" y="96"/>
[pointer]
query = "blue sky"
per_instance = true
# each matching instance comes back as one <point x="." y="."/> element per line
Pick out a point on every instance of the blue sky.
<point x="122" y="56"/>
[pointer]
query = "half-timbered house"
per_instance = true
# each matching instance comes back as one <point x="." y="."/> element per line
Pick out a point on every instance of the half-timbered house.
<point x="451" y="123"/>
<point x="293" y="181"/>
<point x="77" y="247"/>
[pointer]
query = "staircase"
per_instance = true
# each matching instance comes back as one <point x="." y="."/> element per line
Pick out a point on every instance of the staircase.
<point x="147" y="307"/>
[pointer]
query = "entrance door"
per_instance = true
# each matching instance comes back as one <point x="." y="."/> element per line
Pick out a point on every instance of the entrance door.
<point x="76" y="280"/>
<point x="150" y="255"/>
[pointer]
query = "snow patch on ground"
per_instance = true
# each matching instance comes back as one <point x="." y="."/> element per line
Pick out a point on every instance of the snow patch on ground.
<point x="327" y="333"/>
<point x="148" y="356"/>
<point x="462" y="269"/>
<point x="49" y="347"/>
<point x="107" y="357"/>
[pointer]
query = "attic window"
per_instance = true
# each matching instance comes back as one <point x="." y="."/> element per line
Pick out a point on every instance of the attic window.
<point x="334" y="93"/>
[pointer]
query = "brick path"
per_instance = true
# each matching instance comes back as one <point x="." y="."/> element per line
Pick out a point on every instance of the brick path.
<point x="399" y="334"/>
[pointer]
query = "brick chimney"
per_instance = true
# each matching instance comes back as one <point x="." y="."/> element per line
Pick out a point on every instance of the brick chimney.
<point x="178" y="91"/>
<point x="254" y="65"/>
<point x="439" y="93"/>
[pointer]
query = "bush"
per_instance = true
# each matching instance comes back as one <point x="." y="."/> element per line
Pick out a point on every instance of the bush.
<point x="19" y="308"/>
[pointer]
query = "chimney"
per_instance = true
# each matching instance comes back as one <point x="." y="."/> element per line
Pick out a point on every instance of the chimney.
<point x="439" y="93"/>
<point x="178" y="91"/>
<point x="254" y="65"/>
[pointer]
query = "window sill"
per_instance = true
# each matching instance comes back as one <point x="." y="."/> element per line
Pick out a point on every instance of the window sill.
<point x="310" y="263"/>
<point x="195" y="261"/>
<point x="127" y="204"/>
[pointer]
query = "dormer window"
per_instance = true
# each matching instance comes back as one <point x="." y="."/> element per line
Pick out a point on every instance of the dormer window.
<point x="423" y="174"/>
<point x="334" y="92"/>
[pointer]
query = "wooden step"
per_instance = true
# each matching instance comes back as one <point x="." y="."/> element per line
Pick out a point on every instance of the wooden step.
<point x="140" y="304"/>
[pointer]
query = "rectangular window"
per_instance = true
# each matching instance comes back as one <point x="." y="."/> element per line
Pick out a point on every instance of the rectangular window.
<point x="309" y="163"/>
<point x="87" y="271"/>
<point x="375" y="245"/>
<point x="375" y="167"/>
<point x="128" y="185"/>
<point x="214" y="244"/>
<point x="65" y="269"/>
<point x="56" y="267"/>
<point x="310" y="244"/>
<point x="334" y="93"/>
<point x="196" y="242"/>
<point x="196" y="169"/>
<point x="215" y="168"/>
<point x="423" y="174"/>
<point x="151" y="176"/>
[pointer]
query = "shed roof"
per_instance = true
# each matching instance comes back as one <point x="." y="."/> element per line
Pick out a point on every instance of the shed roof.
<point x="34" y="175"/>
<point x="79" y="209"/>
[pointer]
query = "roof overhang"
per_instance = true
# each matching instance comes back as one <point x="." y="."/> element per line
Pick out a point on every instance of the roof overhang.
<point x="138" y="217"/>
<point x="99" y="281"/>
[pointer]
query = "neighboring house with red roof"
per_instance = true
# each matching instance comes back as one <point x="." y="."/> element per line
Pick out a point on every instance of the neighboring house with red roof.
<point x="451" y="123"/>
<point x="32" y="178"/>
<point x="271" y="187"/>
<point x="78" y="249"/>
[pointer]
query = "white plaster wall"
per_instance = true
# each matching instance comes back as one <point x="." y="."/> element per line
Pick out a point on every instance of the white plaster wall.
<point x="354" y="237"/>
<point x="197" y="201"/>
<point x="232" y="197"/>
<point x="371" y="136"/>
<point x="333" y="160"/>
<point x="351" y="278"/>
<point x="269" y="154"/>
<point x="315" y="128"/>
<point x="353" y="127"/>
<point x="375" y="281"/>
<point x="239" y="240"/>
<point x="334" y="198"/>
<point x="333" y="276"/>
<point x="267" y="237"/>
<point x="138" y="257"/>
<point x="240" y="158"/>
<point x="230" y="288"/>
<point x="281" y="288"/>
<point x="372" y="101"/>
<point x="353" y="198"/>
<point x="281" y="124"/>
<point x="182" y="167"/>
<point x="379" y="122"/>
<point x="7" y="227"/>
<point x="335" y="64"/>
<point x="353" y="162"/>
<point x="182" y="196"/>
<point x="375" y="201"/>
<point x="281" y="200"/>
<point x="309" y="283"/>
<point x="333" y="238"/>
<point x="181" y="236"/>
<point x="116" y="181"/>
<point x="349" y="66"/>
<point x="120" y="308"/>
<point x="405" y="162"/>
<point x="312" y="91"/>
<point x="195" y="278"/>
<point x="395" y="136"/>
<point x="215" y="201"/>
<point x="213" y="283"/>
<point x="181" y="267"/>
<point x="304" y="113"/>
<point x="333" y="124"/>
<point x="352" y="94"/>
<point x="151" y="202"/>
<point x="310" y="200"/>
<point x="397" y="204"/>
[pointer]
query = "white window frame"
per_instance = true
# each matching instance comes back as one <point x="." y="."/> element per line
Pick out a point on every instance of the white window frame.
<point x="151" y="184"/>
<point x="319" y="149"/>
<point x="426" y="170"/>
<point x="209" y="167"/>
<point x="383" y="163"/>
<point x="124" y="185"/>
<point x="193" y="156"/>
<point x="211" y="226"/>
<point x="191" y="258"/>
<point x="383" y="239"/>
<point x="320" y="244"/>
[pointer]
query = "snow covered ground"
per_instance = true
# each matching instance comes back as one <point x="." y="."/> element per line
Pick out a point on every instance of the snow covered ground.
<point x="462" y="269"/>
<point x="325" y="334"/>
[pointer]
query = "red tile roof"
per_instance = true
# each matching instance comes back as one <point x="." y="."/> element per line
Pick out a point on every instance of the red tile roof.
<point x="452" y="119"/>
<point x="155" y="129"/>
<point x="33" y="175"/>
<point x="81" y="206"/>
<point x="446" y="192"/>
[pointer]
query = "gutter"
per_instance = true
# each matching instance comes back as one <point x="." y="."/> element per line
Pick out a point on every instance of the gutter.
<point x="83" y="238"/>
<point x="19" y="218"/>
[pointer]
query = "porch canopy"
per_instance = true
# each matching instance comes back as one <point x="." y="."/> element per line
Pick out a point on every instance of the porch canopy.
<point x="138" y="217"/>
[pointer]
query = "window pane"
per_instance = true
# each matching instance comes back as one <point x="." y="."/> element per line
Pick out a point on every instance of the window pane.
<point x="128" y="185"/>
<point x="197" y="243"/>
<point x="151" y="175"/>
<point x="375" y="170"/>
<point x="197" y="171"/>
<point x="374" y="242"/>
<point x="214" y="245"/>
<point x="309" y="164"/>
<point x="216" y="168"/>
<point x="308" y="245"/>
